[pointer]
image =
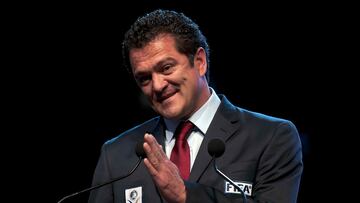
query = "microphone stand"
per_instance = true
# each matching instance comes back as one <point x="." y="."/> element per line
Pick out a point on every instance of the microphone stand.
<point x="228" y="179"/>
<point x="102" y="184"/>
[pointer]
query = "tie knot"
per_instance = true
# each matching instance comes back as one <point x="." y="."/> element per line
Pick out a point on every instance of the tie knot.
<point x="183" y="129"/>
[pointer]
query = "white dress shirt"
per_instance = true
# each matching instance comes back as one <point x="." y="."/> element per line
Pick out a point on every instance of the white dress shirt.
<point x="201" y="119"/>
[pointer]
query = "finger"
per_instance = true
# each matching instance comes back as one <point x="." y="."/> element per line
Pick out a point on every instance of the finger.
<point x="156" y="148"/>
<point x="151" y="155"/>
<point x="151" y="140"/>
<point x="150" y="167"/>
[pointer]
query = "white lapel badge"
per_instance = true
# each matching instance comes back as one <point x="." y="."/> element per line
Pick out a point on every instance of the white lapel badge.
<point x="244" y="186"/>
<point x="133" y="195"/>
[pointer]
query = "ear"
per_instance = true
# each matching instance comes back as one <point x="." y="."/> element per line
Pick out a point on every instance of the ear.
<point x="200" y="61"/>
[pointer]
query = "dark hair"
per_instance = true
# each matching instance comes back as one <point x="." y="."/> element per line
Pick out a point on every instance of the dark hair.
<point x="187" y="34"/>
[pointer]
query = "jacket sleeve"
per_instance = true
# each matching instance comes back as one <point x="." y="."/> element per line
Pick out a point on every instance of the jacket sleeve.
<point x="278" y="173"/>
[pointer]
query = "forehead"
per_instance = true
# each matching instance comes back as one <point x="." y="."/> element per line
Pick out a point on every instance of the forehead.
<point x="162" y="46"/>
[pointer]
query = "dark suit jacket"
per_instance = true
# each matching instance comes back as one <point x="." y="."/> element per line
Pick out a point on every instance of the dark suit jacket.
<point x="262" y="150"/>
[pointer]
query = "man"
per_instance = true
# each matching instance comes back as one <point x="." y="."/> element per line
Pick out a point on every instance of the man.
<point x="169" y="59"/>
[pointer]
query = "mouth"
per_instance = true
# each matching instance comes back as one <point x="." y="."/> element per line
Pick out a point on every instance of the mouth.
<point x="165" y="95"/>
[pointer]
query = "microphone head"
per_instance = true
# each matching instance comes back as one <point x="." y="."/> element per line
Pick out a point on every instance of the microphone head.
<point x="216" y="147"/>
<point x="139" y="149"/>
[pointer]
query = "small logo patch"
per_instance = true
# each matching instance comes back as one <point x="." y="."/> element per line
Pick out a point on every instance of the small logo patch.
<point x="244" y="186"/>
<point x="133" y="195"/>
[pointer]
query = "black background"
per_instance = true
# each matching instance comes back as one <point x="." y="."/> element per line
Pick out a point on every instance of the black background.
<point x="67" y="93"/>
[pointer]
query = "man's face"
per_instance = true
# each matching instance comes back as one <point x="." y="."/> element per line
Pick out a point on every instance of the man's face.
<point x="174" y="88"/>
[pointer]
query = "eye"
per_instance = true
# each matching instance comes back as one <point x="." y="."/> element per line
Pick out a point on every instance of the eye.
<point x="143" y="80"/>
<point x="167" y="69"/>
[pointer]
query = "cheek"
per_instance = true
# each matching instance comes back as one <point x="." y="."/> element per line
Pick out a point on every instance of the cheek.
<point x="146" y="91"/>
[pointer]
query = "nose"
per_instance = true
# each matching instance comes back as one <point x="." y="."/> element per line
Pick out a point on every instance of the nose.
<point x="158" y="82"/>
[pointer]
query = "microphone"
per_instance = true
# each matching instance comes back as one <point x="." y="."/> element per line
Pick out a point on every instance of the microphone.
<point x="139" y="150"/>
<point x="216" y="148"/>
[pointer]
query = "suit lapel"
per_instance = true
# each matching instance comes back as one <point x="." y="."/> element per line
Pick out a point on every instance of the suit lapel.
<point x="159" y="132"/>
<point x="222" y="126"/>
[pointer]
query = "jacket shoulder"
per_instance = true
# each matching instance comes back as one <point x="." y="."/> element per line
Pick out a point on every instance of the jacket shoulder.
<point x="136" y="133"/>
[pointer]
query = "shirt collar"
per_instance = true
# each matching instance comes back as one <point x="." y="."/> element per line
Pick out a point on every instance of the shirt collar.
<point x="201" y="118"/>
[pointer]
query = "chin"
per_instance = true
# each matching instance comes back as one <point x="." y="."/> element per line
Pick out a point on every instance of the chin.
<point x="170" y="114"/>
<point x="171" y="110"/>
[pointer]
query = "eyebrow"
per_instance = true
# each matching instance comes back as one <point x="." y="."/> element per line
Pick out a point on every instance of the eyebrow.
<point x="162" y="62"/>
<point x="156" y="66"/>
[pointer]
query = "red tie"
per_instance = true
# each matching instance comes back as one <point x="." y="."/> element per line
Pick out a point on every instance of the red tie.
<point x="180" y="154"/>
